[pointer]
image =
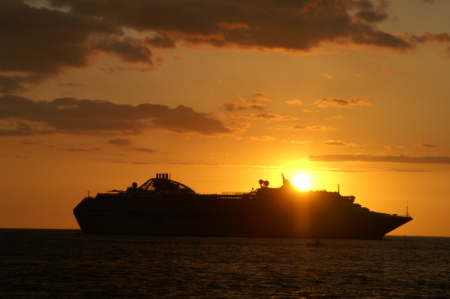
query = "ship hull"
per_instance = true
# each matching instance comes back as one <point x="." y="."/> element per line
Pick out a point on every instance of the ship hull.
<point x="231" y="216"/>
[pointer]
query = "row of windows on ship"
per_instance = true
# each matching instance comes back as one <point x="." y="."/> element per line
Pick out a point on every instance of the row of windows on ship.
<point x="199" y="215"/>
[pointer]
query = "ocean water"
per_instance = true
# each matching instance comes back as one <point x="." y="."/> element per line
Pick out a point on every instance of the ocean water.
<point x="69" y="264"/>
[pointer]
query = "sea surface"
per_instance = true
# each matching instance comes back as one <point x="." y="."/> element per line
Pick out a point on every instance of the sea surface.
<point x="69" y="264"/>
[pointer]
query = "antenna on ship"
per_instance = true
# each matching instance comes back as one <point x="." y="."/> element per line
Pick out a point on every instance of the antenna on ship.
<point x="339" y="191"/>
<point x="407" y="212"/>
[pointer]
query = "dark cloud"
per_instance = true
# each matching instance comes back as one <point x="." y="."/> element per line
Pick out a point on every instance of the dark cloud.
<point x="371" y="16"/>
<point x="294" y="25"/>
<point x="380" y="158"/>
<point x="161" y="41"/>
<point x="370" y="13"/>
<point x="21" y="116"/>
<point x="432" y="37"/>
<point x="422" y="144"/>
<point x="128" y="49"/>
<point x="17" y="129"/>
<point x="333" y="102"/>
<point x="120" y="142"/>
<point x="144" y="150"/>
<point x="247" y="104"/>
<point x="240" y="106"/>
<point x="15" y="83"/>
<point x="82" y="149"/>
<point x="40" y="42"/>
<point x="69" y="84"/>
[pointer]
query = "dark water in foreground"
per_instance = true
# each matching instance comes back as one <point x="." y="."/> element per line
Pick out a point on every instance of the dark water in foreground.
<point x="66" y="263"/>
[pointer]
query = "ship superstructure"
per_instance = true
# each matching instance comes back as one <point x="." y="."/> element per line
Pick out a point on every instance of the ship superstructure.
<point x="165" y="207"/>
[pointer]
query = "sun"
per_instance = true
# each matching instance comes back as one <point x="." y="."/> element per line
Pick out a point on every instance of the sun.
<point x="302" y="182"/>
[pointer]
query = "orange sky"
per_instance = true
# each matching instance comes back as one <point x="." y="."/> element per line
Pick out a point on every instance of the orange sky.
<point x="95" y="95"/>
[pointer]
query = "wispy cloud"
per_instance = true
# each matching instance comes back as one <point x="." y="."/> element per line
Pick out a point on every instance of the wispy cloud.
<point x="120" y="142"/>
<point x="144" y="150"/>
<point x="422" y="144"/>
<point x="380" y="158"/>
<point x="243" y="104"/>
<point x="331" y="169"/>
<point x="263" y="138"/>
<point x="335" y="102"/>
<point x="302" y="127"/>
<point x="339" y="143"/>
<point x="294" y="102"/>
<point x="260" y="116"/>
<point x="78" y="149"/>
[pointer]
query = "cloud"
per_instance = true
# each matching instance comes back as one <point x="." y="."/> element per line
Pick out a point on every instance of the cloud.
<point x="82" y="149"/>
<point x="122" y="69"/>
<point x="290" y="25"/>
<point x="69" y="84"/>
<point x="334" y="102"/>
<point x="380" y="158"/>
<point x="246" y="104"/>
<point x="128" y="49"/>
<point x="144" y="150"/>
<point x="314" y="128"/>
<point x="371" y="13"/>
<point x="273" y="117"/>
<point x="422" y="144"/>
<point x="269" y="117"/>
<point x="41" y="42"/>
<point x="21" y="116"/>
<point x="161" y="41"/>
<point x="263" y="138"/>
<point x="234" y="106"/>
<point x="16" y="83"/>
<point x="120" y="142"/>
<point x="301" y="127"/>
<point x="334" y="143"/>
<point x="301" y="142"/>
<point x="38" y="43"/>
<point x="329" y="169"/>
<point x="294" y="102"/>
<point x="339" y="143"/>
<point x="432" y="37"/>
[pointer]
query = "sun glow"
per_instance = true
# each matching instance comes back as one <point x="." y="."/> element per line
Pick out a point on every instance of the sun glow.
<point x="302" y="182"/>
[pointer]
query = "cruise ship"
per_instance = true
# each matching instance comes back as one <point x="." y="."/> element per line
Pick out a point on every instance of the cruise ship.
<point x="164" y="207"/>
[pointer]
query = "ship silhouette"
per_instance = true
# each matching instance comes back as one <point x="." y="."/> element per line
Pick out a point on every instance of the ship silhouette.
<point x="163" y="207"/>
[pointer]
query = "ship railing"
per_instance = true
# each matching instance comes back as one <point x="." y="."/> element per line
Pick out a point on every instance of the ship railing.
<point x="232" y="193"/>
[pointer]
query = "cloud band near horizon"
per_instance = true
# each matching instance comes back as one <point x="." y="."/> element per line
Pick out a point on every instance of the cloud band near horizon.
<point x="380" y="158"/>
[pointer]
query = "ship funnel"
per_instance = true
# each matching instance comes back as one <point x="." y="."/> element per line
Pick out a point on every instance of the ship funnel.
<point x="162" y="176"/>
